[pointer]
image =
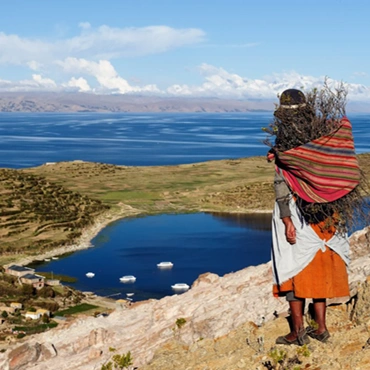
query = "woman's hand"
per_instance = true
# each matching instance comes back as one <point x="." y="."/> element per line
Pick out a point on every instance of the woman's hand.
<point x="290" y="232"/>
<point x="270" y="155"/>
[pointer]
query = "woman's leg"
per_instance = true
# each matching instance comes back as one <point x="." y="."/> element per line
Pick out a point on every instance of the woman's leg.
<point x="296" y="315"/>
<point x="297" y="333"/>
<point x="319" y="308"/>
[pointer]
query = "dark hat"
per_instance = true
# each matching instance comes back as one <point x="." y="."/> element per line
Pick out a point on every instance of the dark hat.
<point x="292" y="99"/>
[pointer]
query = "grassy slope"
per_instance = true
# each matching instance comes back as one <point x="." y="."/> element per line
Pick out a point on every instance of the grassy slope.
<point x="61" y="199"/>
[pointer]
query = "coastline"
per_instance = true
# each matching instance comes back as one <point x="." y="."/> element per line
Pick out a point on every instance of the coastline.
<point x="88" y="234"/>
<point x="100" y="223"/>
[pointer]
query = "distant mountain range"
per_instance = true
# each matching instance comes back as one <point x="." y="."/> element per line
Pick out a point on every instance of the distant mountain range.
<point x="84" y="102"/>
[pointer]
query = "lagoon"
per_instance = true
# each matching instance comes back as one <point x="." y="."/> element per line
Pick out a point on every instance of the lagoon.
<point x="194" y="243"/>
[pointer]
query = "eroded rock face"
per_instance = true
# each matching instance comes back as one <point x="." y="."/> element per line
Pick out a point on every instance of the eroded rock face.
<point x="24" y="355"/>
<point x="212" y="308"/>
<point x="360" y="243"/>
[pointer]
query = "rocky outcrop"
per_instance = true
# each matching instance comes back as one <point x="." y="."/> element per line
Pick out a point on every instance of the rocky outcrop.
<point x="212" y="308"/>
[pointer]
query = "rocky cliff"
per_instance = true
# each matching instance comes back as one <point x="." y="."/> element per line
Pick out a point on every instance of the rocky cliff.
<point x="227" y="322"/>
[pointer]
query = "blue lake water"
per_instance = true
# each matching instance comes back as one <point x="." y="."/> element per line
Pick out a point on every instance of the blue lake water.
<point x="28" y="140"/>
<point x="195" y="243"/>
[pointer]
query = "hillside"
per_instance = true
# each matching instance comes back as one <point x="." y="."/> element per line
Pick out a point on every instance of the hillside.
<point x="84" y="102"/>
<point x="37" y="215"/>
<point x="88" y="102"/>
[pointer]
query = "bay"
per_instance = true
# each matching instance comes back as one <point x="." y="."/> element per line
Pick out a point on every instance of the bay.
<point x="194" y="243"/>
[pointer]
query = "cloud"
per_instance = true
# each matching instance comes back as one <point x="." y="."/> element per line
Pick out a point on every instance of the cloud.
<point x="84" y="25"/>
<point x="360" y="74"/>
<point x="103" y="42"/>
<point x="105" y="74"/>
<point x="38" y="83"/>
<point x="35" y="66"/>
<point x="221" y="83"/>
<point x="78" y="84"/>
<point x="217" y="82"/>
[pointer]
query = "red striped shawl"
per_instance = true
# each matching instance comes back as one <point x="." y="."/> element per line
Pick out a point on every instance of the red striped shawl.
<point x="324" y="169"/>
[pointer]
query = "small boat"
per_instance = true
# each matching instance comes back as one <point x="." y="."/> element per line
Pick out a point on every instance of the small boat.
<point x="47" y="259"/>
<point x="54" y="258"/>
<point x="165" y="265"/>
<point x="127" y="279"/>
<point x="90" y="274"/>
<point x="129" y="294"/>
<point x="180" y="286"/>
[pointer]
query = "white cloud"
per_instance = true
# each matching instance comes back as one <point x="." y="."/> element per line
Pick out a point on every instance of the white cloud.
<point x="103" y="42"/>
<point x="79" y="84"/>
<point x="360" y="74"/>
<point x="84" y="25"/>
<point x="38" y="83"/>
<point x="219" y="82"/>
<point x="35" y="66"/>
<point x="44" y="82"/>
<point x="105" y="74"/>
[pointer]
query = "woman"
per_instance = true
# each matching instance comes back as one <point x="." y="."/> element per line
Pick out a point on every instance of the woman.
<point x="316" y="187"/>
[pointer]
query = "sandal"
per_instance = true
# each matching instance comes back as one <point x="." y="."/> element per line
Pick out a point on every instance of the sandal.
<point x="301" y="339"/>
<point x="323" y="337"/>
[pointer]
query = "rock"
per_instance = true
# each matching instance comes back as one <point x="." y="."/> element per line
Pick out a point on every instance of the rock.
<point x="23" y="355"/>
<point x="47" y="351"/>
<point x="95" y="353"/>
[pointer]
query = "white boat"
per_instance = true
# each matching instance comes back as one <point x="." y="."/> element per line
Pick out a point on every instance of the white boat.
<point x="127" y="279"/>
<point x="47" y="259"/>
<point x="129" y="294"/>
<point x="90" y="274"/>
<point x="165" y="265"/>
<point x="180" y="286"/>
<point x="54" y="258"/>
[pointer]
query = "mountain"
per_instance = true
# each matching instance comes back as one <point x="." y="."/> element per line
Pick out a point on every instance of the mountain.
<point x="87" y="102"/>
<point x="83" y="102"/>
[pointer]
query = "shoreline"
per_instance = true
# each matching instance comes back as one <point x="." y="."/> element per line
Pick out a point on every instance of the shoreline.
<point x="84" y="241"/>
<point x="100" y="223"/>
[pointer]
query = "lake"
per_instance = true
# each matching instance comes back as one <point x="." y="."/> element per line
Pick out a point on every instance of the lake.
<point x="31" y="139"/>
<point x="195" y="243"/>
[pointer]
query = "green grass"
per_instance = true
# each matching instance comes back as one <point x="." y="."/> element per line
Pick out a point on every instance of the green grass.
<point x="63" y="278"/>
<point x="36" y="329"/>
<point x="76" y="309"/>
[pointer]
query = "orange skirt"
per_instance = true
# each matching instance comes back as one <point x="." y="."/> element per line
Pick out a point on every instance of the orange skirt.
<point x="324" y="277"/>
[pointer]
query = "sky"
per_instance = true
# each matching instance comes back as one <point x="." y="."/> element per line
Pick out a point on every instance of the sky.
<point x="238" y="49"/>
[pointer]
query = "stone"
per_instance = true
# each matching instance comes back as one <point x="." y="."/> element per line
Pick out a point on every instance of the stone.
<point x="23" y="355"/>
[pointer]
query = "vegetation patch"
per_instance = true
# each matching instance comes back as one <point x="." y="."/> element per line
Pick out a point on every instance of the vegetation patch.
<point x="62" y="278"/>
<point x="76" y="309"/>
<point x="35" y="329"/>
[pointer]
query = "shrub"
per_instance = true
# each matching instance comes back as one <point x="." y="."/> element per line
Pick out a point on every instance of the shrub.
<point x="4" y="314"/>
<point x="180" y="322"/>
<point x="119" y="362"/>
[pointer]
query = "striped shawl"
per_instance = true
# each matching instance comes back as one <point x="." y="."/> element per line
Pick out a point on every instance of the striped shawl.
<point x="324" y="169"/>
